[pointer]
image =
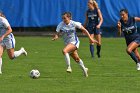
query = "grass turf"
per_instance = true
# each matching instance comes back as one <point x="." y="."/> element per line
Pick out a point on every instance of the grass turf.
<point x="114" y="72"/>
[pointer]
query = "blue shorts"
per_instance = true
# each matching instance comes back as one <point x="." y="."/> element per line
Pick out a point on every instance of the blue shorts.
<point x="93" y="30"/>
<point x="133" y="39"/>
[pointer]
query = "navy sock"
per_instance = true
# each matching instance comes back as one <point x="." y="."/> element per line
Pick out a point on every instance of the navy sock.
<point x="98" y="50"/>
<point x="92" y="50"/>
<point x="133" y="56"/>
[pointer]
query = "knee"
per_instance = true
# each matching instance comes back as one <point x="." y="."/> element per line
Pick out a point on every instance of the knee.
<point x="98" y="44"/>
<point x="11" y="57"/>
<point x="77" y="59"/>
<point x="128" y="50"/>
<point x="64" y="51"/>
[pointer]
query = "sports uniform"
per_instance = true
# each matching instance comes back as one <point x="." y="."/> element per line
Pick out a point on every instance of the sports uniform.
<point x="92" y="21"/>
<point x="129" y="30"/>
<point x="8" y="41"/>
<point x="69" y="32"/>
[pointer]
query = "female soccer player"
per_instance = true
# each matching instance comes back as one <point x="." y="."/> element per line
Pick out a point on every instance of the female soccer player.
<point x="93" y="25"/>
<point x="68" y="30"/>
<point x="7" y="40"/>
<point x="127" y="25"/>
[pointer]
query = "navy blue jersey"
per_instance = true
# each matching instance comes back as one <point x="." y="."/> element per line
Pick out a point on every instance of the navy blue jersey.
<point x="92" y="18"/>
<point x="129" y="30"/>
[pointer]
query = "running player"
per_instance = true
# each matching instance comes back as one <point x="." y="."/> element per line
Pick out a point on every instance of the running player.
<point x="7" y="41"/>
<point x="92" y="23"/>
<point x="68" y="29"/>
<point x="127" y="25"/>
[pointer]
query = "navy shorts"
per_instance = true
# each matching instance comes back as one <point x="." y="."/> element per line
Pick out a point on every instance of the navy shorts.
<point x="92" y="30"/>
<point x="133" y="39"/>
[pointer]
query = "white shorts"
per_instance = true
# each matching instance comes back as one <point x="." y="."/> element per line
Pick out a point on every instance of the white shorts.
<point x="76" y="43"/>
<point x="8" y="43"/>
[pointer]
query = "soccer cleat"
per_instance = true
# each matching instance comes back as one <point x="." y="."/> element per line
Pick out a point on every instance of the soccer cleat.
<point x="24" y="51"/>
<point x="69" y="70"/>
<point x="138" y="66"/>
<point x="86" y="72"/>
<point x="0" y="72"/>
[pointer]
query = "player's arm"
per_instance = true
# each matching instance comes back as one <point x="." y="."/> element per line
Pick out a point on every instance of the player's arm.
<point x="137" y="19"/>
<point x="56" y="36"/>
<point x="86" y="20"/>
<point x="101" y="19"/>
<point x="87" y="33"/>
<point x="119" y="28"/>
<point x="8" y="31"/>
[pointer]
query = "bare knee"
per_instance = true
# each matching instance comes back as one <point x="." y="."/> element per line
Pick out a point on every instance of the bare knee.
<point x="64" y="51"/>
<point x="11" y="57"/>
<point x="77" y="59"/>
<point x="128" y="50"/>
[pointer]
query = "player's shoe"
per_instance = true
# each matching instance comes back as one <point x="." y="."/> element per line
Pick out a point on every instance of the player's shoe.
<point x="69" y="70"/>
<point x="24" y="51"/>
<point x="86" y="72"/>
<point x="138" y="66"/>
<point x="0" y="72"/>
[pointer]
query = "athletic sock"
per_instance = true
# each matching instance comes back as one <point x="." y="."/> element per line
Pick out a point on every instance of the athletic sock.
<point x="81" y="64"/>
<point x="18" y="53"/>
<point x="98" y="51"/>
<point x="92" y="50"/>
<point x="0" y="65"/>
<point x="67" y="59"/>
<point x="133" y="56"/>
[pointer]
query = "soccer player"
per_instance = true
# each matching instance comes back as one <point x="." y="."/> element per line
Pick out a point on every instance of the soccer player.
<point x="127" y="25"/>
<point x="68" y="29"/>
<point x="93" y="23"/>
<point x="7" y="41"/>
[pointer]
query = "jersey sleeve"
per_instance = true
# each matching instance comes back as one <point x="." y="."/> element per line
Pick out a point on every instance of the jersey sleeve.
<point x="5" y="22"/>
<point x="59" y="27"/>
<point x="78" y="25"/>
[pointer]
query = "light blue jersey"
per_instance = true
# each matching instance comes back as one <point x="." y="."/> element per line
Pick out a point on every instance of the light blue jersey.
<point x="69" y="32"/>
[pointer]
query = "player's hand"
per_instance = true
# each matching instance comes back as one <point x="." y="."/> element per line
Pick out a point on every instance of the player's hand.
<point x="98" y="26"/>
<point x="55" y="37"/>
<point x="94" y="41"/>
<point x="119" y="24"/>
<point x="1" y="38"/>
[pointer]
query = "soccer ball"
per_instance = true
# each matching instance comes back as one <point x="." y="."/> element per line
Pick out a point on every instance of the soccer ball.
<point x="34" y="73"/>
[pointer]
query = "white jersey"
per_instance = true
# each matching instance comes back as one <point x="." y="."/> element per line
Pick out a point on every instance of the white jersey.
<point x="3" y="27"/>
<point x="9" y="40"/>
<point x="69" y="31"/>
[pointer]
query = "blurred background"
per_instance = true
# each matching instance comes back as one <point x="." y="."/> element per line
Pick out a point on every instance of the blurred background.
<point x="40" y="17"/>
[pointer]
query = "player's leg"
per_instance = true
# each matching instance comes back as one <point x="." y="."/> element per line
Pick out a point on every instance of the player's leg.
<point x="132" y="46"/>
<point x="1" y="52"/>
<point x="91" y="46"/>
<point x="138" y="56"/>
<point x="98" y="38"/>
<point x="10" y="45"/>
<point x="70" y="47"/>
<point x="76" y="57"/>
<point x="14" y="54"/>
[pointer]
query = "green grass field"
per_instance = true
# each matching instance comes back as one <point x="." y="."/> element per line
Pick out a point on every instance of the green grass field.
<point x="114" y="72"/>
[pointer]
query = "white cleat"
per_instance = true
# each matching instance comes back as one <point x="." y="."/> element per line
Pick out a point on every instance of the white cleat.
<point x="86" y="72"/>
<point x="24" y="51"/>
<point x="138" y="66"/>
<point x="69" y="70"/>
<point x="0" y="72"/>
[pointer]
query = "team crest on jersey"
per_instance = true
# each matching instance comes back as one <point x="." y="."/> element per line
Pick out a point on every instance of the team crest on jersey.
<point x="92" y="16"/>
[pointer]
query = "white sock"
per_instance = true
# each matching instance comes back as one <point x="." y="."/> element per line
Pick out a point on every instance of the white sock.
<point x="81" y="64"/>
<point x="0" y="64"/>
<point x="18" y="53"/>
<point x="67" y="59"/>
